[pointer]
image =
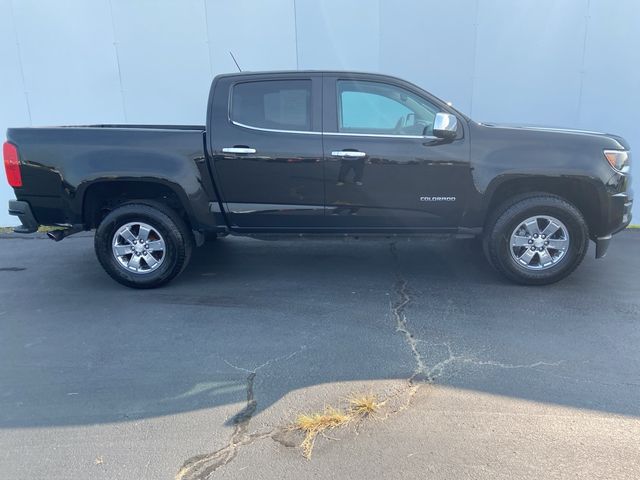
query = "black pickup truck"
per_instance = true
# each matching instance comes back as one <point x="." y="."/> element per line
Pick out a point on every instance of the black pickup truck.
<point x="311" y="152"/>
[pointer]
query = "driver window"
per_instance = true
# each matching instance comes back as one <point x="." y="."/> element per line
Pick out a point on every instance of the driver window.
<point x="379" y="108"/>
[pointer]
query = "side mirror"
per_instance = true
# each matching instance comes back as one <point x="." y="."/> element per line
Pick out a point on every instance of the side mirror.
<point x="445" y="125"/>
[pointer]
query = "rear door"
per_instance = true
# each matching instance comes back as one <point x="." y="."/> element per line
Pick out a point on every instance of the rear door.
<point x="266" y="148"/>
<point x="384" y="167"/>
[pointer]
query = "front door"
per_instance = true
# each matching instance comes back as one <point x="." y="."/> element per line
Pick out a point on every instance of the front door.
<point x="384" y="168"/>
<point x="267" y="150"/>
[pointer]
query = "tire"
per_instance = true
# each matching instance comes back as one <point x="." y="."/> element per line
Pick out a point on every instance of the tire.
<point x="164" y="254"/>
<point x="512" y="250"/>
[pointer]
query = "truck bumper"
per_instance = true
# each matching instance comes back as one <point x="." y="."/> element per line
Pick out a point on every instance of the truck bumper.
<point x="602" y="245"/>
<point x="621" y="210"/>
<point x="620" y="217"/>
<point x="22" y="210"/>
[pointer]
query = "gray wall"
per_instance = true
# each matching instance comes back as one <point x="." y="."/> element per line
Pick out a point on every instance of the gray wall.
<point x="572" y="63"/>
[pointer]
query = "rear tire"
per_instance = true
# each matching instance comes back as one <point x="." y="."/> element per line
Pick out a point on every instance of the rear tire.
<point x="536" y="239"/>
<point x="144" y="244"/>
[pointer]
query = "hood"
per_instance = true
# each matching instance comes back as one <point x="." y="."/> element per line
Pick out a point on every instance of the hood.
<point x="559" y="130"/>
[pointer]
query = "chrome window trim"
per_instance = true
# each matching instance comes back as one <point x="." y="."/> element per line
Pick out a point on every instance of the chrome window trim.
<point x="274" y="130"/>
<point x="380" y="135"/>
<point x="341" y="134"/>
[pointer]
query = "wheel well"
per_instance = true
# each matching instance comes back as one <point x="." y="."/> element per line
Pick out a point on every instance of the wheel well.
<point x="101" y="198"/>
<point x="580" y="193"/>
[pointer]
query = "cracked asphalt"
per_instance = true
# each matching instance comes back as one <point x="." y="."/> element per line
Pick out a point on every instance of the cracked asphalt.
<point x="202" y="378"/>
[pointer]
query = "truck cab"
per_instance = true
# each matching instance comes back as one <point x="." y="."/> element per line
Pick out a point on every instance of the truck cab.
<point x="335" y="151"/>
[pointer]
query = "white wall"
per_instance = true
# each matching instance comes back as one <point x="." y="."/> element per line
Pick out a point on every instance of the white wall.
<point x="573" y="63"/>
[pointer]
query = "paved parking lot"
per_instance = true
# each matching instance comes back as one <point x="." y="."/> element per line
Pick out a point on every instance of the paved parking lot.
<point x="202" y="378"/>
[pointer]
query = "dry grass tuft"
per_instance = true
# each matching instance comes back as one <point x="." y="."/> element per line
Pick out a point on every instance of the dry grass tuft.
<point x="314" y="424"/>
<point x="183" y="471"/>
<point x="364" y="405"/>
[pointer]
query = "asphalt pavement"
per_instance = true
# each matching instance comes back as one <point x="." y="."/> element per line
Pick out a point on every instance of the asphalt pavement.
<point x="203" y="378"/>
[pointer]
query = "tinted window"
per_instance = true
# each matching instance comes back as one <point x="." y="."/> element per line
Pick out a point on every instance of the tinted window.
<point x="275" y="104"/>
<point x="371" y="107"/>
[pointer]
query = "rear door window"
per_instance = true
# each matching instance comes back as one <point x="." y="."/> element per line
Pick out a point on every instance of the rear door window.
<point x="273" y="104"/>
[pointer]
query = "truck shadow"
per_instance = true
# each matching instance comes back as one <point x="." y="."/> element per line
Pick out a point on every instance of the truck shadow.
<point x="284" y="316"/>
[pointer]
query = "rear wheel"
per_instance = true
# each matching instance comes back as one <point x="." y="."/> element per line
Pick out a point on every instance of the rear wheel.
<point x="537" y="239"/>
<point x="143" y="245"/>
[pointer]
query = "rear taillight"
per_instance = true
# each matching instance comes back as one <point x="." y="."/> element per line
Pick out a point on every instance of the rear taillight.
<point x="12" y="164"/>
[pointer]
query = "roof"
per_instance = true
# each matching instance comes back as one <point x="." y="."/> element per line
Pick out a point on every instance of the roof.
<point x="309" y="72"/>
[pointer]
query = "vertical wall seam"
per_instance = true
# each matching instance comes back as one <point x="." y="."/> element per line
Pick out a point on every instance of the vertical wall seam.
<point x="295" y="29"/>
<point x="583" y="61"/>
<point x="475" y="57"/>
<point x="206" y="26"/>
<point x="379" y="66"/>
<point x="20" y="65"/>
<point x="115" y="48"/>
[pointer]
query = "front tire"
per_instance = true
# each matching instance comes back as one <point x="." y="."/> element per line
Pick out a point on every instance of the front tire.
<point x="143" y="244"/>
<point x="536" y="239"/>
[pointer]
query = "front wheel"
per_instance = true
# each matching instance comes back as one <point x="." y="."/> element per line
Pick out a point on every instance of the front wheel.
<point x="536" y="240"/>
<point x="143" y="245"/>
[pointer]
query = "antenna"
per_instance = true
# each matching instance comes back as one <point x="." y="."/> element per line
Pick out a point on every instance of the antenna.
<point x="234" y="61"/>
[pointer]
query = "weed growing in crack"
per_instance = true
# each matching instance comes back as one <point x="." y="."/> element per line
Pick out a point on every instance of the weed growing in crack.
<point x="313" y="424"/>
<point x="316" y="423"/>
<point x="364" y="405"/>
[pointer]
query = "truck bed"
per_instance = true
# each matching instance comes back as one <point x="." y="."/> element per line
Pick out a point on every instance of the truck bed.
<point x="60" y="163"/>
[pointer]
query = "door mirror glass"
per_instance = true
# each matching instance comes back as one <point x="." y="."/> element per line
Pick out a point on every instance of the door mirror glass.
<point x="445" y="125"/>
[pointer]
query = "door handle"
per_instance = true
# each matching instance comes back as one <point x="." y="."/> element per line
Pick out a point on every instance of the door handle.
<point x="238" y="150"/>
<point x="348" y="154"/>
